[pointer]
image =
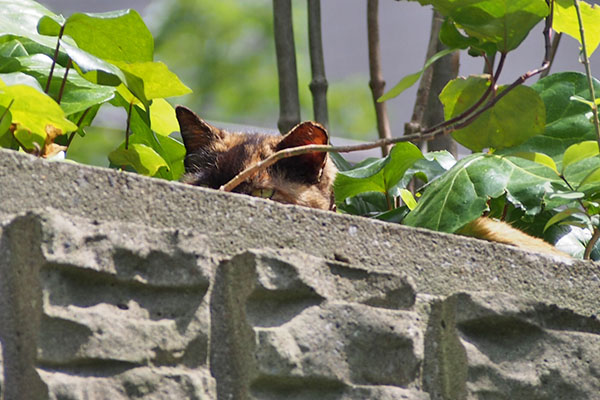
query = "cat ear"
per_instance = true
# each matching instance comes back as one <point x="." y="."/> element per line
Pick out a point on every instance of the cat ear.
<point x="197" y="134"/>
<point x="307" y="166"/>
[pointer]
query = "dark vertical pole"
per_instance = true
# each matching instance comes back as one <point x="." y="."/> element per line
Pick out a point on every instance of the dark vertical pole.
<point x="285" y="49"/>
<point x="377" y="83"/>
<point x="318" y="85"/>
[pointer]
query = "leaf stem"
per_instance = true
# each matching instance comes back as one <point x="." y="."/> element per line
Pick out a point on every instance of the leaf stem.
<point x="591" y="243"/>
<point x="72" y="135"/>
<point x="64" y="81"/>
<point x="62" y="29"/>
<point x="128" y="124"/>
<point x="6" y="110"/>
<point x="588" y="72"/>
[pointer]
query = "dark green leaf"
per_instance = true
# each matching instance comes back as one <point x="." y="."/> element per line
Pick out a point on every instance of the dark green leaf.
<point x="566" y="120"/>
<point x="460" y="195"/>
<point x="516" y="117"/>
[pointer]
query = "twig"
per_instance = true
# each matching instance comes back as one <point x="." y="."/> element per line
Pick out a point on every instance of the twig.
<point x="64" y="81"/>
<point x="588" y="72"/>
<point x="376" y="81"/>
<point x="296" y="151"/>
<point x="62" y="29"/>
<point x="478" y="103"/>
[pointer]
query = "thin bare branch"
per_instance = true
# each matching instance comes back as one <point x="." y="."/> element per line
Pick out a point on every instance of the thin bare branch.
<point x="376" y="81"/>
<point x="285" y="51"/>
<point x="318" y="85"/>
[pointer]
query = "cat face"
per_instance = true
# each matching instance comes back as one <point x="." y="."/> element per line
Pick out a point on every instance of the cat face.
<point x="215" y="156"/>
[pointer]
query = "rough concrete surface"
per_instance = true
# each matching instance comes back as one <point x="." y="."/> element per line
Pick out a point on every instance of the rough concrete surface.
<point x="115" y="286"/>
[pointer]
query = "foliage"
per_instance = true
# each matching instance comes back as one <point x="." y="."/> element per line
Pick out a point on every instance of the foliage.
<point x="542" y="165"/>
<point x="55" y="73"/>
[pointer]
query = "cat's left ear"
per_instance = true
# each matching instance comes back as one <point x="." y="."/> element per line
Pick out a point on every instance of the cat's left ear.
<point x="307" y="166"/>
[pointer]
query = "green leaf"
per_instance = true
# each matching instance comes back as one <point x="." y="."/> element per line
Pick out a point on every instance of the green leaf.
<point x="408" y="198"/>
<point x="162" y="117"/>
<point x="93" y="68"/>
<point x="381" y="175"/>
<point x="561" y="216"/>
<point x="579" y="151"/>
<point x="516" y="117"/>
<point x="503" y="23"/>
<point x="411" y="79"/>
<point x="565" y="20"/>
<point x="151" y="80"/>
<point x="139" y="156"/>
<point x="19" y="78"/>
<point x="20" y="18"/>
<point x="451" y="37"/>
<point x="566" y="120"/>
<point x="50" y="25"/>
<point x="113" y="36"/>
<point x="461" y="195"/>
<point x="538" y="158"/>
<point x="33" y="110"/>
<point x="7" y="139"/>
<point x="79" y="94"/>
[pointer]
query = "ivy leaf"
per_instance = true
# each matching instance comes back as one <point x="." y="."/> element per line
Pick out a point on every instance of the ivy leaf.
<point x="565" y="20"/>
<point x="380" y="175"/>
<point x="162" y="117"/>
<point x="79" y="94"/>
<point x="139" y="156"/>
<point x="93" y="68"/>
<point x="151" y="80"/>
<point x="33" y="110"/>
<point x="516" y="117"/>
<point x="566" y="120"/>
<point x="113" y="36"/>
<point x="538" y="158"/>
<point x="460" y="196"/>
<point x="20" y="18"/>
<point x="7" y="139"/>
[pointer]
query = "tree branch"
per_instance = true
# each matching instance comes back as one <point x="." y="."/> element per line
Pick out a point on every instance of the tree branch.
<point x="376" y="81"/>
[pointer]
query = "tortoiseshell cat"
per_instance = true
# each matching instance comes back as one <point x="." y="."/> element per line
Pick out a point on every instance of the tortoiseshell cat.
<point x="214" y="156"/>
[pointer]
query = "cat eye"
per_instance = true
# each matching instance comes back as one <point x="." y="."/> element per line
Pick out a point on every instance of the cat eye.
<point x="265" y="193"/>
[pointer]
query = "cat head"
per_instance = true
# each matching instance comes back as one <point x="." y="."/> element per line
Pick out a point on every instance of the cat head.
<point x="214" y="156"/>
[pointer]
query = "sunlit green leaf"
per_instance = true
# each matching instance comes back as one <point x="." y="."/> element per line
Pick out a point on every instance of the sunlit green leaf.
<point x="408" y="198"/>
<point x="579" y="151"/>
<point x="113" y="36"/>
<point x="151" y="80"/>
<point x="93" y="68"/>
<point x="33" y="110"/>
<point x="162" y="117"/>
<point x="139" y="156"/>
<point x="538" y="158"/>
<point x="565" y="20"/>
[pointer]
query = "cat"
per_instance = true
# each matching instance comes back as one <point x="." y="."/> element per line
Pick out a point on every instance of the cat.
<point x="214" y="156"/>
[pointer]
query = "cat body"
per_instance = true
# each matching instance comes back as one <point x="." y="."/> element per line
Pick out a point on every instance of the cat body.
<point x="214" y="156"/>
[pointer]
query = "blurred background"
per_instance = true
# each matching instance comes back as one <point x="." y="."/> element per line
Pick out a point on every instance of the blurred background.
<point x="224" y="51"/>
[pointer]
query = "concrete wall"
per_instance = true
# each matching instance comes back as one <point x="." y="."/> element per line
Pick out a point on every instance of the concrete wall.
<point x="116" y="286"/>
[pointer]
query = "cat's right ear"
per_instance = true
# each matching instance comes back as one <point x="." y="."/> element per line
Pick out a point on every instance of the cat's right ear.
<point x="196" y="133"/>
